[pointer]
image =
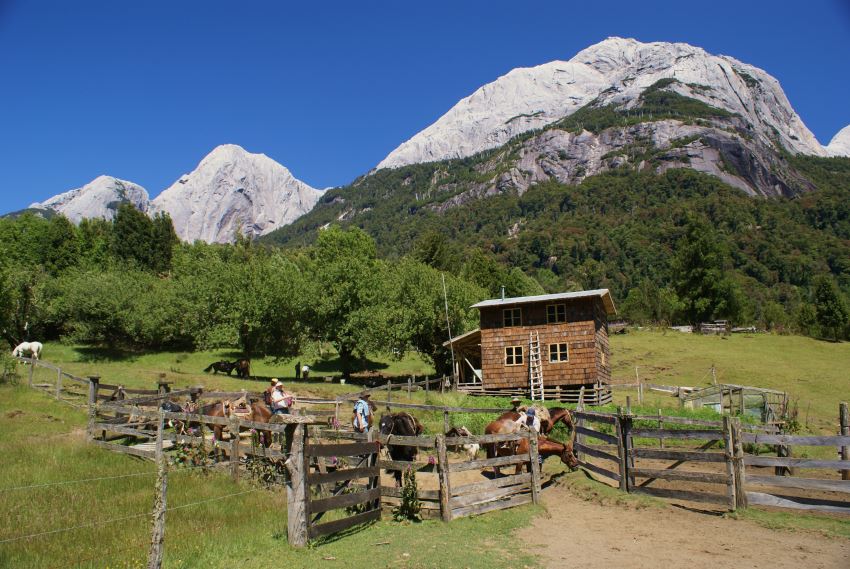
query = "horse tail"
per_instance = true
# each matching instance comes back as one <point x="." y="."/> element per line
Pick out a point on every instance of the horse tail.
<point x="209" y="367"/>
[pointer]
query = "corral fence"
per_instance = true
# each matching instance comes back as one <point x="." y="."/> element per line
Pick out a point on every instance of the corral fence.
<point x="715" y="462"/>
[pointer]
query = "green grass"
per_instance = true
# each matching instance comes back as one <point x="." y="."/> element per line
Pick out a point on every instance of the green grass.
<point x="836" y="526"/>
<point x="42" y="441"/>
<point x="813" y="372"/>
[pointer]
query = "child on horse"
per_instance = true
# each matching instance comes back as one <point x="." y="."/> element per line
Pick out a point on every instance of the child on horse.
<point x="280" y="400"/>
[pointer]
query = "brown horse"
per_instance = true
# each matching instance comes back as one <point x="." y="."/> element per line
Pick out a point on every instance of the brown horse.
<point x="259" y="413"/>
<point x="243" y="368"/>
<point x="507" y="423"/>
<point x="545" y="448"/>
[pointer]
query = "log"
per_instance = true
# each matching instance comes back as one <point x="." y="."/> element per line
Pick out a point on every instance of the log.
<point x="501" y="482"/>
<point x="488" y="496"/>
<point x="492" y="506"/>
<point x="297" y="522"/>
<point x="534" y="467"/>
<point x="739" y="478"/>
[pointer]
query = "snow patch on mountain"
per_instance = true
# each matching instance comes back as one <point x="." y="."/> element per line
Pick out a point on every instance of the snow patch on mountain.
<point x="99" y="198"/>
<point x="615" y="71"/>
<point x="840" y="143"/>
<point x="232" y="191"/>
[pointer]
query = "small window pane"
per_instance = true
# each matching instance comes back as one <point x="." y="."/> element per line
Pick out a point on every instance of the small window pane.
<point x="556" y="313"/>
<point x="558" y="353"/>
<point x="512" y="317"/>
<point x="513" y="355"/>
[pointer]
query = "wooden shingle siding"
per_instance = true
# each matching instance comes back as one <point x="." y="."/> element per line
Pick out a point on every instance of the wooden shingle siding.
<point x="585" y="333"/>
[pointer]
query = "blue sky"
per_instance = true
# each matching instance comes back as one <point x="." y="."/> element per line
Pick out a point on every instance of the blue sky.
<point x="143" y="90"/>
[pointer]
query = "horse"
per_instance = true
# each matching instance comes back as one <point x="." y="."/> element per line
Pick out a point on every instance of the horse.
<point x="506" y="423"/>
<point x="545" y="448"/>
<point x="220" y="366"/>
<point x="259" y="413"/>
<point x="405" y="425"/>
<point x="243" y="368"/>
<point x="471" y="449"/>
<point x="31" y="348"/>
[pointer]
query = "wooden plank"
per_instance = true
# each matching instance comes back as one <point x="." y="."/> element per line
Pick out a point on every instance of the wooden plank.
<point x="344" y="449"/>
<point x="109" y="427"/>
<point x="425" y="503"/>
<point x="484" y="439"/>
<point x="595" y="452"/>
<point x="832" y="441"/>
<point x="488" y="462"/>
<point x="501" y="482"/>
<point x="343" y="501"/>
<point x="393" y="404"/>
<point x="597" y="435"/>
<point x="595" y="417"/>
<point x="488" y="496"/>
<point x="707" y="477"/>
<point x="601" y="471"/>
<point x="393" y="492"/>
<point x="682" y="455"/>
<point x="680" y="420"/>
<point x="704" y="497"/>
<point x="124" y="449"/>
<point x="801" y="483"/>
<point x="404" y="465"/>
<point x="708" y="435"/>
<point x="796" y="462"/>
<point x="343" y="524"/>
<point x="341" y="475"/>
<point x="419" y="442"/>
<point x="492" y="506"/>
<point x="761" y="499"/>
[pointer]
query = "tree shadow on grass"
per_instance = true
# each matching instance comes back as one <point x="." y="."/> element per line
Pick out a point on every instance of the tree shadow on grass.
<point x="95" y="354"/>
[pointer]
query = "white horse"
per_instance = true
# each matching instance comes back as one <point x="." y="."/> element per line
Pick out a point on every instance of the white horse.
<point x="31" y="348"/>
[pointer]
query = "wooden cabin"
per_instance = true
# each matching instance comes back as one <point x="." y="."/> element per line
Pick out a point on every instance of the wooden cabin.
<point x="557" y="342"/>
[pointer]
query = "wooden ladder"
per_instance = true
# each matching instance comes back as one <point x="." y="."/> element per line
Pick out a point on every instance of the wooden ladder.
<point x="535" y="369"/>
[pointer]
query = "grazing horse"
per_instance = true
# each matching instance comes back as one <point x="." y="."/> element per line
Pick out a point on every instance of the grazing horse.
<point x="243" y="368"/>
<point x="405" y="425"/>
<point x="31" y="348"/>
<point x="222" y="366"/>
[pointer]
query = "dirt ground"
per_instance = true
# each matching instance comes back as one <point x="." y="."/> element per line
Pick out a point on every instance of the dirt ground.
<point x="586" y="534"/>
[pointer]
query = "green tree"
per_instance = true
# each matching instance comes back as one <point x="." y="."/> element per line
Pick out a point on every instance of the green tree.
<point x="60" y="247"/>
<point x="163" y="241"/>
<point x="132" y="237"/>
<point x="699" y="277"/>
<point x="830" y="308"/>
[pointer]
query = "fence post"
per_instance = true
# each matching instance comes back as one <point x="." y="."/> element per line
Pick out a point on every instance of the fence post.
<point x="740" y="470"/>
<point x="660" y="427"/>
<point x="94" y="381"/>
<point x="729" y="453"/>
<point x="389" y="392"/>
<point x="580" y="423"/>
<point x="427" y="387"/>
<point x="32" y="367"/>
<point x="159" y="505"/>
<point x="409" y="386"/>
<point x="296" y="490"/>
<point x="622" y="449"/>
<point x="445" y="481"/>
<point x="445" y="422"/>
<point x="234" y="448"/>
<point x="844" y="419"/>
<point x="58" y="383"/>
<point x="534" y="467"/>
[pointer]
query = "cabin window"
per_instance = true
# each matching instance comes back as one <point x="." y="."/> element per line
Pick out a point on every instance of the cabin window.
<point x="558" y="353"/>
<point x="513" y="356"/>
<point x="512" y="317"/>
<point x="556" y="313"/>
<point x="604" y="359"/>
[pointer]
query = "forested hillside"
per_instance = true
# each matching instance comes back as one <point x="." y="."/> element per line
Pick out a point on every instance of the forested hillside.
<point x="625" y="230"/>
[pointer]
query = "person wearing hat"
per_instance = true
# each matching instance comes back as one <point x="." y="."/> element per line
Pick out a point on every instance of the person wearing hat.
<point x="515" y="403"/>
<point x="281" y="400"/>
<point x="361" y="419"/>
<point x="529" y="419"/>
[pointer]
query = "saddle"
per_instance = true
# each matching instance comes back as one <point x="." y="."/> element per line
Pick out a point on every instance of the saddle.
<point x="238" y="408"/>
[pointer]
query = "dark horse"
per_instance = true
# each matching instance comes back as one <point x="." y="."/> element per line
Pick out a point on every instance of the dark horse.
<point x="404" y="425"/>
<point x="243" y="368"/>
<point x="222" y="366"/>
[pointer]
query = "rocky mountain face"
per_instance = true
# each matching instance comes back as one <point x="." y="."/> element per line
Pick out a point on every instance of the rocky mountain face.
<point x="626" y="103"/>
<point x="233" y="191"/>
<point x="99" y="198"/>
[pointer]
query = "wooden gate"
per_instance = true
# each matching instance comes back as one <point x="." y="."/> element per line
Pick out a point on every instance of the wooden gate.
<point x="335" y="490"/>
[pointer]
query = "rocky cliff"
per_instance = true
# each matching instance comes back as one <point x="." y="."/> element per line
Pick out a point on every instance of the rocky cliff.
<point x="99" y="198"/>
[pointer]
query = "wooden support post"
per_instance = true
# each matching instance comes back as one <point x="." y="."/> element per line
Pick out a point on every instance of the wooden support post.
<point x="738" y="464"/>
<point x="234" y="448"/>
<point x="159" y="505"/>
<point x="375" y="481"/>
<point x="622" y="449"/>
<point x="534" y="467"/>
<point x="427" y="386"/>
<point x="844" y="420"/>
<point x="628" y="405"/>
<point x="741" y="394"/>
<point x="58" y="383"/>
<point x="336" y="415"/>
<point x="445" y="422"/>
<point x="729" y="453"/>
<point x="580" y="423"/>
<point x="296" y="487"/>
<point x="445" y="481"/>
<point x="32" y="368"/>
<point x="660" y="426"/>
<point x="389" y="393"/>
<point x="409" y="386"/>
<point x="94" y="382"/>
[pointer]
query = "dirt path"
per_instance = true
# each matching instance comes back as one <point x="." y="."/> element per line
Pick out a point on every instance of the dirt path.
<point x="589" y="535"/>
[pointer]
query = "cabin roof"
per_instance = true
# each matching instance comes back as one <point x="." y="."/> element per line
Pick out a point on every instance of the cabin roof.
<point x="603" y="293"/>
<point x="471" y="337"/>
